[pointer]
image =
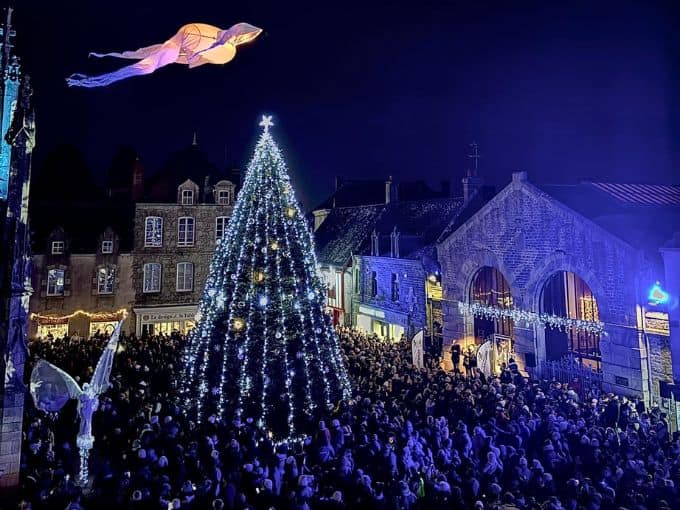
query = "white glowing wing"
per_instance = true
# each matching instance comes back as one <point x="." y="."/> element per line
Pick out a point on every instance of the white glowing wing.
<point x="100" y="378"/>
<point x="51" y="387"/>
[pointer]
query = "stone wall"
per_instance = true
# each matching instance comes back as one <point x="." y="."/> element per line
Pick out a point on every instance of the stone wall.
<point x="529" y="236"/>
<point x="169" y="254"/>
<point x="83" y="293"/>
<point x="410" y="309"/>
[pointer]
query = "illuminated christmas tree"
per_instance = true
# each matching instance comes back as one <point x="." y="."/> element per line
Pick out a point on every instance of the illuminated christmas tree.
<point x="263" y="347"/>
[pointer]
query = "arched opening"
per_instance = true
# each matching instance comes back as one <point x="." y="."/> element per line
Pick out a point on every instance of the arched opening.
<point x="565" y="294"/>
<point x="490" y="288"/>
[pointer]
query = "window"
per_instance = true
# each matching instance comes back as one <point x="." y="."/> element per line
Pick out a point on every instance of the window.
<point x="224" y="196"/>
<point x="107" y="246"/>
<point x="153" y="233"/>
<point x="152" y="277"/>
<point x="57" y="247"/>
<point x="187" y="197"/>
<point x="220" y="227"/>
<point x="185" y="235"/>
<point x="185" y="276"/>
<point x="357" y="282"/>
<point x="55" y="282"/>
<point x="395" y="287"/>
<point x="374" y="284"/>
<point x="106" y="277"/>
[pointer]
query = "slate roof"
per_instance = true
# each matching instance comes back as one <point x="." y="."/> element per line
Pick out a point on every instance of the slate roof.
<point x="347" y="230"/>
<point x="641" y="194"/>
<point x="354" y="193"/>
<point x="645" y="216"/>
<point x="188" y="163"/>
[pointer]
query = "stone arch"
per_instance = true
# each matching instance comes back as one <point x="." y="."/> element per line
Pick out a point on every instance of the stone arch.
<point x="473" y="265"/>
<point x="562" y="261"/>
<point x="557" y="262"/>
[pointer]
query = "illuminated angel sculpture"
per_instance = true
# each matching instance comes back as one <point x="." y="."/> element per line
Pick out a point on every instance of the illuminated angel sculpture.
<point x="194" y="44"/>
<point x="51" y="388"/>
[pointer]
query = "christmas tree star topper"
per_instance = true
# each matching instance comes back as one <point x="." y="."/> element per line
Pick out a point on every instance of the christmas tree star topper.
<point x="266" y="122"/>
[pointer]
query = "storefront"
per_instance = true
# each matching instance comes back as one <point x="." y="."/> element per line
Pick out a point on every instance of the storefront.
<point x="381" y="323"/>
<point x="80" y="323"/>
<point x="165" y="319"/>
<point x="102" y="327"/>
<point x="58" y="329"/>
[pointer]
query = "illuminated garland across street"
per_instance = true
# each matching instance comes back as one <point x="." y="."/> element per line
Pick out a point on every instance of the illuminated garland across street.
<point x="542" y="319"/>
<point x="263" y="348"/>
<point x="93" y="316"/>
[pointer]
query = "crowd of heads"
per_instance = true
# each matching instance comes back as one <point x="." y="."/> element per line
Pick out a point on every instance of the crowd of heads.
<point x="409" y="439"/>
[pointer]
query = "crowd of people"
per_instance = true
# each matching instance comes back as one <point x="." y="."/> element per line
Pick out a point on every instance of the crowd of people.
<point x="410" y="439"/>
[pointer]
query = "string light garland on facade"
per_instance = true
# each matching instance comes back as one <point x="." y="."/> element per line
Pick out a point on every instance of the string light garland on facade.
<point x="264" y="348"/>
<point x="541" y="319"/>
<point x="93" y="316"/>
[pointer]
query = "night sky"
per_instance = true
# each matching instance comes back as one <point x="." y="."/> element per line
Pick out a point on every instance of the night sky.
<point x="563" y="90"/>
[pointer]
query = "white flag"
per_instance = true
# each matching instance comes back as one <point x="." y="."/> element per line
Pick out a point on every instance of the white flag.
<point x="417" y="348"/>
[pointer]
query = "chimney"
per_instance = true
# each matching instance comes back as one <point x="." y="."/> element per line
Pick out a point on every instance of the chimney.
<point x="446" y="188"/>
<point x="137" y="180"/>
<point x="519" y="177"/>
<point x="390" y="191"/>
<point x="206" y="189"/>
<point x="338" y="182"/>
<point x="471" y="185"/>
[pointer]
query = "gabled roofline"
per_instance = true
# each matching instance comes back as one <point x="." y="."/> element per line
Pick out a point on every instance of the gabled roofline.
<point x="520" y="182"/>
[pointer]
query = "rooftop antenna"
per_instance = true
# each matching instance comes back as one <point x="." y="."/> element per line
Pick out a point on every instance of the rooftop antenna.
<point x="475" y="156"/>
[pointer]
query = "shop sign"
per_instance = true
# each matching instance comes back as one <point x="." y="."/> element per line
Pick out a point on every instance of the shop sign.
<point x="371" y="312"/>
<point x="657" y="323"/>
<point x="168" y="316"/>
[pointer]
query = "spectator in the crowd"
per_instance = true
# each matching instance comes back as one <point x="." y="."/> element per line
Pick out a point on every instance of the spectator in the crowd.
<point x="409" y="439"/>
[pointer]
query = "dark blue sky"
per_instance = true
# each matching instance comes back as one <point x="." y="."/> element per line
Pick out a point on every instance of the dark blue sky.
<point x="565" y="90"/>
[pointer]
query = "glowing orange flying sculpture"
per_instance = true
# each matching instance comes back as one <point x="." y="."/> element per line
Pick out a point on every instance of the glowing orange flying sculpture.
<point x="194" y="44"/>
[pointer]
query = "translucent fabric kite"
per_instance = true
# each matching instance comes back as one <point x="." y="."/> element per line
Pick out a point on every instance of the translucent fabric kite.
<point x="51" y="388"/>
<point x="194" y="44"/>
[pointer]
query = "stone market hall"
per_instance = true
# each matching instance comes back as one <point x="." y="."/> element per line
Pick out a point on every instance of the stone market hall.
<point x="573" y="281"/>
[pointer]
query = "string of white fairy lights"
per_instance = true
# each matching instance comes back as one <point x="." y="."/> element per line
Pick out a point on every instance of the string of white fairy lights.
<point x="530" y="318"/>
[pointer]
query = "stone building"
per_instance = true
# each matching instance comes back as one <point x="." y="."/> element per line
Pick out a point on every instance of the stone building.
<point x="174" y="245"/>
<point x="351" y="213"/>
<point x="396" y="275"/>
<point x="81" y="288"/>
<point x="558" y="277"/>
<point x="82" y="240"/>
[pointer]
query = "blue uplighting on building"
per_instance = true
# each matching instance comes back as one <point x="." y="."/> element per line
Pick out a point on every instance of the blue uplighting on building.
<point x="657" y="296"/>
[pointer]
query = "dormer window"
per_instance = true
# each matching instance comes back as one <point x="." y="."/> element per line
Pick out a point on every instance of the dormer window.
<point x="224" y="196"/>
<point x="224" y="192"/>
<point x="57" y="247"/>
<point x="187" y="197"/>
<point x="107" y="246"/>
